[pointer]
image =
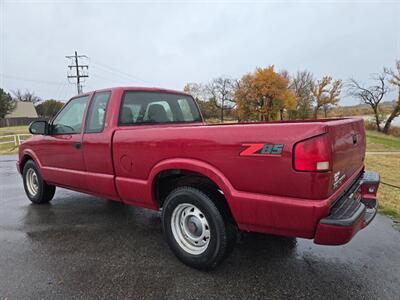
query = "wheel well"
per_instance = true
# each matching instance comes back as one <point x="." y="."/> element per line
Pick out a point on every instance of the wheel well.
<point x="167" y="181"/>
<point x="23" y="161"/>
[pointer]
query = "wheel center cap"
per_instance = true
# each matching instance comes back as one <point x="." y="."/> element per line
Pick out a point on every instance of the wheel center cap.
<point x="194" y="226"/>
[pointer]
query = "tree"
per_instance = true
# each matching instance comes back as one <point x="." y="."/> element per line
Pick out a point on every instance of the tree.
<point x="245" y="98"/>
<point x="371" y="95"/>
<point x="49" y="108"/>
<point x="222" y="90"/>
<point x="333" y="96"/>
<point x="209" y="109"/>
<point x="207" y="105"/>
<point x="394" y="79"/>
<point x="7" y="103"/>
<point x="197" y="90"/>
<point x="26" y="96"/>
<point x="326" y="93"/>
<point x="302" y="85"/>
<point x="287" y="101"/>
<point x="264" y="92"/>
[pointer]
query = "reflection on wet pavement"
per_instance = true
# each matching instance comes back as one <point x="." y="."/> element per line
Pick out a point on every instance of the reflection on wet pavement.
<point x="86" y="247"/>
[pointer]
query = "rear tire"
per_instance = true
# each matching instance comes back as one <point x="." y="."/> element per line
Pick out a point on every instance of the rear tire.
<point x="198" y="233"/>
<point x="37" y="190"/>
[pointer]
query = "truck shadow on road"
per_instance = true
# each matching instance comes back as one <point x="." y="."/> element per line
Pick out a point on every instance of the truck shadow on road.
<point x="82" y="221"/>
<point x="84" y="239"/>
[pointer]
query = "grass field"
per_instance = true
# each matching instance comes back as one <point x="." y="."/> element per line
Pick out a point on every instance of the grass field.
<point x="10" y="148"/>
<point x="13" y="130"/>
<point x="377" y="141"/>
<point x="387" y="165"/>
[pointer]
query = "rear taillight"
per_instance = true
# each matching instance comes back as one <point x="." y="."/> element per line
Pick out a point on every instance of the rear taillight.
<point x="313" y="154"/>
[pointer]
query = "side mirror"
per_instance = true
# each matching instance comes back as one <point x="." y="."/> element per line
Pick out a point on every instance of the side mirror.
<point x="39" y="127"/>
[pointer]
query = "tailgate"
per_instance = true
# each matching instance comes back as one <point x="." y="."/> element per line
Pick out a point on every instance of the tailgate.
<point x="348" y="149"/>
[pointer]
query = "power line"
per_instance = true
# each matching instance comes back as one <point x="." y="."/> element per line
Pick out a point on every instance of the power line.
<point x="79" y="70"/>
<point x="62" y="91"/>
<point x="61" y="85"/>
<point x="95" y="75"/>
<point x="120" y="73"/>
<point x="29" y="79"/>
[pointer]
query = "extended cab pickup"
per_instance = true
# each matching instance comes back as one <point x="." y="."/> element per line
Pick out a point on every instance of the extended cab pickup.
<point x="150" y="147"/>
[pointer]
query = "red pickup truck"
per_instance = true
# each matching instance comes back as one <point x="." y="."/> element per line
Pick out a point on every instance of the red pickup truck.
<point x="150" y="147"/>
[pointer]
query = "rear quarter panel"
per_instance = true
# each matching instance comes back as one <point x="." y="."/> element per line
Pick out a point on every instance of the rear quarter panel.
<point x="138" y="149"/>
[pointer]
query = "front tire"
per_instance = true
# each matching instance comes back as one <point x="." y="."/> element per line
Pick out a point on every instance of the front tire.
<point x="198" y="233"/>
<point x="37" y="190"/>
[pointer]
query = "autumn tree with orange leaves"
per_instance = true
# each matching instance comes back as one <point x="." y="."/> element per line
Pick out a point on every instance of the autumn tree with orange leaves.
<point x="264" y="94"/>
<point x="326" y="93"/>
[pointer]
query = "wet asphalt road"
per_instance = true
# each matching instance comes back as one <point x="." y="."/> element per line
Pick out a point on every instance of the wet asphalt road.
<point x="81" y="246"/>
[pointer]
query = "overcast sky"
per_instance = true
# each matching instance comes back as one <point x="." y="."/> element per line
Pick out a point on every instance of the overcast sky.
<point x="167" y="44"/>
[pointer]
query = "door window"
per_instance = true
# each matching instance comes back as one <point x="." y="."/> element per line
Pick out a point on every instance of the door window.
<point x="69" y="120"/>
<point x="97" y="112"/>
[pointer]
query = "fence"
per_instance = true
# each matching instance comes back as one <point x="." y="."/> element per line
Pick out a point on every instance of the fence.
<point x="16" y="121"/>
<point x="14" y="139"/>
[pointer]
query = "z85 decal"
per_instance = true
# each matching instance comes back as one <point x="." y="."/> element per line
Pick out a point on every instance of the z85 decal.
<point x="262" y="150"/>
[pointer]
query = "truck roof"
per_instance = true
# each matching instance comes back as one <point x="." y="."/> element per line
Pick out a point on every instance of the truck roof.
<point x="139" y="89"/>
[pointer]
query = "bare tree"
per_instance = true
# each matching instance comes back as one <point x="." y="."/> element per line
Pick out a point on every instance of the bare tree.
<point x="332" y="98"/>
<point x="301" y="85"/>
<point x="394" y="79"/>
<point x="197" y="90"/>
<point x="206" y="104"/>
<point x="26" y="96"/>
<point x="222" y="90"/>
<point x="371" y="95"/>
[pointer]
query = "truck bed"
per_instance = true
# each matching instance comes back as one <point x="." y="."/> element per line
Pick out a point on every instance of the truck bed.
<point x="220" y="146"/>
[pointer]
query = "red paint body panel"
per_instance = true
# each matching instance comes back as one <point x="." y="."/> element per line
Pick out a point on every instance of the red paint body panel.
<point x="264" y="192"/>
<point x="97" y="153"/>
<point x="335" y="235"/>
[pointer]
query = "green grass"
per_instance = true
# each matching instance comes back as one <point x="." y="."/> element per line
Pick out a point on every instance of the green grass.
<point x="377" y="141"/>
<point x="391" y="212"/>
<point x="10" y="148"/>
<point x="388" y="167"/>
<point x="13" y="130"/>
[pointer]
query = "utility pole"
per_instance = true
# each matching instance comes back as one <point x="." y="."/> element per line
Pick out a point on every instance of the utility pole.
<point x="79" y="70"/>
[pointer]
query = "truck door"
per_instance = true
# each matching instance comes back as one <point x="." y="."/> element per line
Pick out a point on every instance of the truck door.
<point x="61" y="155"/>
<point x="97" y="147"/>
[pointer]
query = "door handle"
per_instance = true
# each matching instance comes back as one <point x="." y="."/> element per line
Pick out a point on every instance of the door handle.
<point x="77" y="145"/>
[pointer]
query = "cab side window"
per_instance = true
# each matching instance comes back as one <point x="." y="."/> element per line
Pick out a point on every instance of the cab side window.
<point x="69" y="120"/>
<point x="97" y="112"/>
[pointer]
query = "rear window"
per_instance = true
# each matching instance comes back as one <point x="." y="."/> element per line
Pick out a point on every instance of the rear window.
<point x="157" y="108"/>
